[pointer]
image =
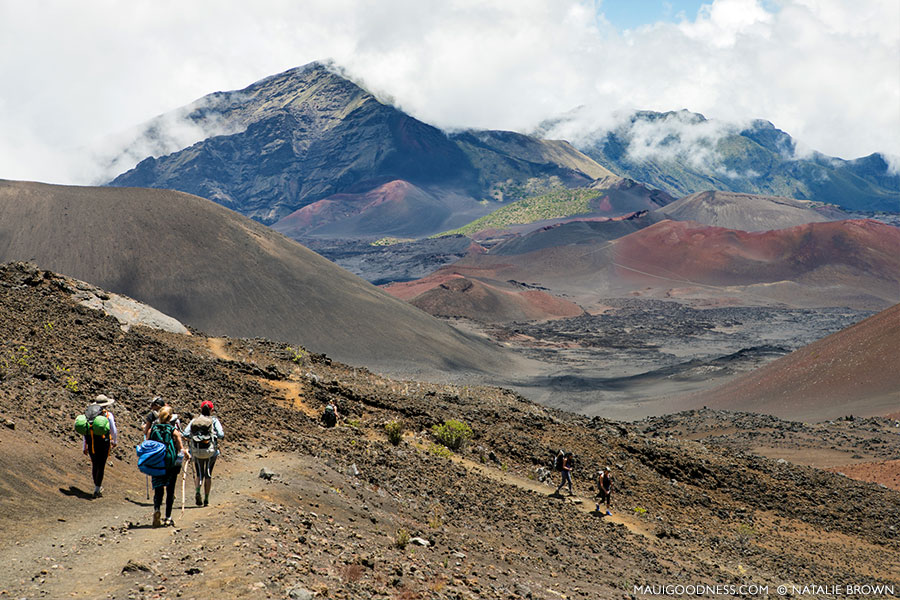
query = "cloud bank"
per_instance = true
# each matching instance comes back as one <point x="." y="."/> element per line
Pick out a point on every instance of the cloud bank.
<point x="825" y="71"/>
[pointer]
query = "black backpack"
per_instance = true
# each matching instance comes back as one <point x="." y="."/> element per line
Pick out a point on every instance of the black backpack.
<point x="558" y="462"/>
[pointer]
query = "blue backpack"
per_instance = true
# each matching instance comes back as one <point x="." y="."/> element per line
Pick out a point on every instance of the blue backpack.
<point x="152" y="457"/>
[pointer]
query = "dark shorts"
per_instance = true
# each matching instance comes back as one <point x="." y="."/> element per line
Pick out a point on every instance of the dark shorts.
<point x="203" y="467"/>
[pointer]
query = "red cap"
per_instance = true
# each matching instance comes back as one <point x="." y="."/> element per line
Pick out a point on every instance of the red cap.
<point x="206" y="403"/>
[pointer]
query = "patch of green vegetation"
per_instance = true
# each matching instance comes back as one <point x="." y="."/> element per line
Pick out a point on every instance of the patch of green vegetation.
<point x="394" y="430"/>
<point x="452" y="434"/>
<point x="553" y="205"/>
<point x="439" y="450"/>
<point x="391" y="241"/>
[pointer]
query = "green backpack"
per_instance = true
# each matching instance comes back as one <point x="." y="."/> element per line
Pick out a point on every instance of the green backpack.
<point x="163" y="432"/>
<point x="92" y="421"/>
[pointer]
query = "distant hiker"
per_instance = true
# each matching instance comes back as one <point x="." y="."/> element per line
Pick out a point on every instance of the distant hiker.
<point x="165" y="432"/>
<point x="98" y="426"/>
<point x="151" y="417"/>
<point x="203" y="434"/>
<point x="604" y="488"/>
<point x="330" y="415"/>
<point x="558" y="461"/>
<point x="567" y="466"/>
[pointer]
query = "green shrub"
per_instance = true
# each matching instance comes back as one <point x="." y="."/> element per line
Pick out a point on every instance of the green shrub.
<point x="394" y="431"/>
<point x="402" y="538"/>
<point x="439" y="450"/>
<point x="452" y="434"/>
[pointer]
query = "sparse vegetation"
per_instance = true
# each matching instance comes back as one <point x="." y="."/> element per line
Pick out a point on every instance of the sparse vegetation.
<point x="552" y="205"/>
<point x="297" y="354"/>
<point x="401" y="539"/>
<point x="439" y="450"/>
<point x="391" y="241"/>
<point x="394" y="430"/>
<point x="453" y="434"/>
<point x="640" y="511"/>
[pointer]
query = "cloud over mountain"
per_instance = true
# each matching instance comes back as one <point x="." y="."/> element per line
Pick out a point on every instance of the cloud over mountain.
<point x="824" y="70"/>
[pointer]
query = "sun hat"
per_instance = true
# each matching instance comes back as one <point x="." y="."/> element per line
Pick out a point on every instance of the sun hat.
<point x="102" y="400"/>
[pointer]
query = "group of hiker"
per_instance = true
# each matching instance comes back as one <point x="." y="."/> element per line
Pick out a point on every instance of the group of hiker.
<point x="166" y="446"/>
<point x="163" y="452"/>
<point x="565" y="464"/>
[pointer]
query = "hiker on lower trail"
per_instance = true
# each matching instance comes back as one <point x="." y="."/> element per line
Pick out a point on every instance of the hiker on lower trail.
<point x="165" y="432"/>
<point x="203" y="434"/>
<point x="567" y="465"/>
<point x="604" y="488"/>
<point x="100" y="436"/>
<point x="330" y="415"/>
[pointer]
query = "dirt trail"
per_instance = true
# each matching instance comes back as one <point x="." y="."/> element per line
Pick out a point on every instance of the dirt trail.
<point x="217" y="347"/>
<point x="108" y="547"/>
<point x="584" y="504"/>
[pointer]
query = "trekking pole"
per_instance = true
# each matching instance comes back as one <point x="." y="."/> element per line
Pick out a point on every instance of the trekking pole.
<point x="183" y="478"/>
<point x="148" y="487"/>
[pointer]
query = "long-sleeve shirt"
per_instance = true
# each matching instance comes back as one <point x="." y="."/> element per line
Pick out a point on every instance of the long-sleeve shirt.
<point x="113" y="432"/>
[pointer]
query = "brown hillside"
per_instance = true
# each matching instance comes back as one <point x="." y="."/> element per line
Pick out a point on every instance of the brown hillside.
<point x="855" y="371"/>
<point x="457" y="296"/>
<point x="340" y="511"/>
<point x="749" y="212"/>
<point x="216" y="270"/>
<point x="853" y="263"/>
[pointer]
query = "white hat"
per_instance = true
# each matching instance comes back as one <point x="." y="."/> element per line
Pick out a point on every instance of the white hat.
<point x="102" y="400"/>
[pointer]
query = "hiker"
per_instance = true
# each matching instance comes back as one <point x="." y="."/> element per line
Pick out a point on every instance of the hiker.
<point x="604" y="488"/>
<point x="164" y="431"/>
<point x="98" y="446"/>
<point x="203" y="434"/>
<point x="567" y="466"/>
<point x="151" y="417"/>
<point x="330" y="415"/>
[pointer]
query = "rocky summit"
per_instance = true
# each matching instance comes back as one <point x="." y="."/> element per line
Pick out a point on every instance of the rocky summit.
<point x="386" y="504"/>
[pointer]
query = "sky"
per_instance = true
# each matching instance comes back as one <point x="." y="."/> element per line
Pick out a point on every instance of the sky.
<point x="76" y="74"/>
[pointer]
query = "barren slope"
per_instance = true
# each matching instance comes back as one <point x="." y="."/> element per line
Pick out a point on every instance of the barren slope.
<point x="749" y="212"/>
<point x="855" y="371"/>
<point x="331" y="519"/>
<point x="221" y="272"/>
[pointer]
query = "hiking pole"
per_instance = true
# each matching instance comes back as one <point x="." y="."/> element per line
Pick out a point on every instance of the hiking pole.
<point x="148" y="487"/>
<point x="183" y="478"/>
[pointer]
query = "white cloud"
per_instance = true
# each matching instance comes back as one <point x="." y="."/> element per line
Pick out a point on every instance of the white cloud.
<point x="825" y="71"/>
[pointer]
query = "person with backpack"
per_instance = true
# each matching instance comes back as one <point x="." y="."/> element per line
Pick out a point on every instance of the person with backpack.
<point x="203" y="434"/>
<point x="100" y="436"/>
<point x="153" y="414"/>
<point x="165" y="432"/>
<point x="567" y="465"/>
<point x="330" y="415"/>
<point x="604" y="488"/>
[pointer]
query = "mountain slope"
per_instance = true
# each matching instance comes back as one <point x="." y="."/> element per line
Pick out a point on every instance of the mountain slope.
<point x="852" y="263"/>
<point x="748" y="212"/>
<point x="338" y="512"/>
<point x="854" y="371"/>
<point x="306" y="134"/>
<point x="684" y="153"/>
<point x="604" y="198"/>
<point x="213" y="269"/>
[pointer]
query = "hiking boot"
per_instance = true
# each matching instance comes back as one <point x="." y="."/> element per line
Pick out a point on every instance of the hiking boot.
<point x="608" y="514"/>
<point x="197" y="498"/>
<point x="156" y="520"/>
<point x="168" y="522"/>
<point x="98" y="491"/>
<point x="206" y="501"/>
